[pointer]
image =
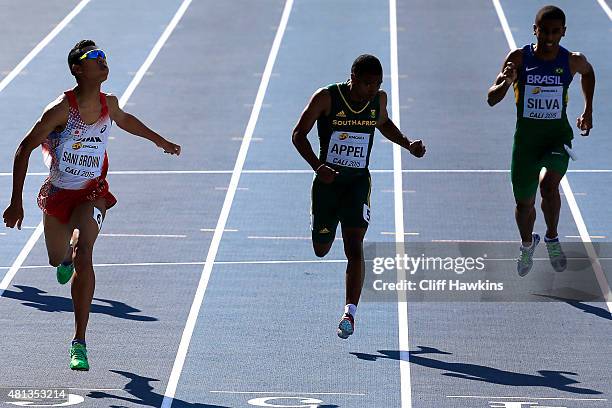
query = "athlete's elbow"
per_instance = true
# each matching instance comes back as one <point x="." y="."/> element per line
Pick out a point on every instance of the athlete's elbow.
<point x="297" y="138"/>
<point x="23" y="151"/>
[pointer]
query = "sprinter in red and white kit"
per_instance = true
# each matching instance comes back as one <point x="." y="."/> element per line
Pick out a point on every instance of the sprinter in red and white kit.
<point x="73" y="131"/>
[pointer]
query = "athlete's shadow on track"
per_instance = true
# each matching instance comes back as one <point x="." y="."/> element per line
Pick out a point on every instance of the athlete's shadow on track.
<point x="143" y="394"/>
<point x="551" y="379"/>
<point x="36" y="298"/>
<point x="594" y="310"/>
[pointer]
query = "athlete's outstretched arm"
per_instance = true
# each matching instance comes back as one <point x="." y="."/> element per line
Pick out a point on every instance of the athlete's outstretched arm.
<point x="579" y="64"/>
<point x="388" y="129"/>
<point x="133" y="125"/>
<point x="54" y="116"/>
<point x="507" y="76"/>
<point x="319" y="105"/>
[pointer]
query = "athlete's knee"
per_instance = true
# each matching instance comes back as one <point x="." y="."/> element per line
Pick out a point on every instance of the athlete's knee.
<point x="353" y="249"/>
<point x="525" y="205"/>
<point x="320" y="249"/>
<point x="82" y="256"/>
<point x="549" y="188"/>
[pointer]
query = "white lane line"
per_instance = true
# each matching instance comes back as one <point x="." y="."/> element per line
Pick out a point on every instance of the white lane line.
<point x="528" y="398"/>
<point x="285" y="238"/>
<point x="569" y="258"/>
<point x="6" y="281"/>
<point x="275" y="238"/>
<point x="288" y="393"/>
<point x="402" y="304"/>
<point x="263" y="262"/>
<point x="253" y="139"/>
<point x="588" y="244"/>
<point x="237" y="188"/>
<point x="504" y="23"/>
<point x="9" y="174"/>
<point x="287" y="261"/>
<point x="605" y="8"/>
<point x="95" y="389"/>
<point x="479" y="241"/>
<point x="592" y="236"/>
<point x="124" y="98"/>
<point x="41" y="45"/>
<point x="154" y="52"/>
<point x="405" y="233"/>
<point x="110" y="265"/>
<point x="144" y="235"/>
<point x="304" y="171"/>
<point x="12" y="271"/>
<point x="590" y="171"/>
<point x="213" y="230"/>
<point x="181" y="354"/>
<point x="569" y="195"/>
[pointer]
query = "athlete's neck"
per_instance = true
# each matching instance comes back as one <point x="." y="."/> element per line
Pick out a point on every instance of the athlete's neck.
<point x="353" y="94"/>
<point x="87" y="94"/>
<point x="545" y="52"/>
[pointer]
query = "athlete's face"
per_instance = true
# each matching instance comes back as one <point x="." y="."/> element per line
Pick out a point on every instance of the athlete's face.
<point x="92" y="68"/>
<point x="549" y="33"/>
<point x="365" y="86"/>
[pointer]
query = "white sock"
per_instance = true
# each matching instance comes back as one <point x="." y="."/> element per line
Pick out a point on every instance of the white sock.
<point x="527" y="245"/>
<point x="546" y="239"/>
<point x="350" y="309"/>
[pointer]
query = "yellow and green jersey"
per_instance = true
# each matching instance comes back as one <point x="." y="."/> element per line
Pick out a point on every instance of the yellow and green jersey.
<point x="347" y="133"/>
<point x="541" y="92"/>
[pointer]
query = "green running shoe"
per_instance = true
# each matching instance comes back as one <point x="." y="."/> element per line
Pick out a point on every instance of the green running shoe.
<point x="78" y="357"/>
<point x="525" y="259"/>
<point x="64" y="272"/>
<point x="557" y="257"/>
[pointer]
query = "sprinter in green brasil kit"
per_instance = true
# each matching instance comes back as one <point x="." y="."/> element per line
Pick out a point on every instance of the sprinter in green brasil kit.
<point x="541" y="74"/>
<point x="347" y="115"/>
<point x="74" y="131"/>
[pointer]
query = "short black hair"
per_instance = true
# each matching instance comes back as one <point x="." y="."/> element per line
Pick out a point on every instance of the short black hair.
<point x="550" y="13"/>
<point x="366" y="64"/>
<point x="77" y="52"/>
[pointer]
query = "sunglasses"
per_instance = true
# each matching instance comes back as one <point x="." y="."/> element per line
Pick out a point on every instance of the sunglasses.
<point x="93" y="54"/>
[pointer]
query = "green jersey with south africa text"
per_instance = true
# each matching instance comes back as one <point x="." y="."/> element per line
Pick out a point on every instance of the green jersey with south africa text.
<point x="347" y="133"/>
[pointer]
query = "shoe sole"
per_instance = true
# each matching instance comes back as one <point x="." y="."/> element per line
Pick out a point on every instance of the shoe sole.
<point x="79" y="369"/>
<point x="523" y="274"/>
<point x="344" y="333"/>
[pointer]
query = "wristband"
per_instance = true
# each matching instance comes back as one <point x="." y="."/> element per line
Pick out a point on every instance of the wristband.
<point x="319" y="168"/>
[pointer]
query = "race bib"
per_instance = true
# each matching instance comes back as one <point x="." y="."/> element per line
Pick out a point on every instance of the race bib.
<point x="348" y="149"/>
<point x="543" y="102"/>
<point x="366" y="213"/>
<point x="82" y="157"/>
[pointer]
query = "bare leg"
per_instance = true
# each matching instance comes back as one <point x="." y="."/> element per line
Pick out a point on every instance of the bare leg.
<point x="551" y="202"/>
<point x="355" y="269"/>
<point x="57" y="237"/>
<point x="84" y="281"/>
<point x="525" y="217"/>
